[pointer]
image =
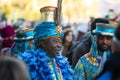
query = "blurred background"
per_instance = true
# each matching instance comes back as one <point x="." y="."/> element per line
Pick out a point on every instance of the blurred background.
<point x="73" y="11"/>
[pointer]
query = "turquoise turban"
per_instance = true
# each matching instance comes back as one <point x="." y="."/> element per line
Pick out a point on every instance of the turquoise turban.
<point x="105" y="29"/>
<point x="46" y="30"/>
<point x="26" y="34"/>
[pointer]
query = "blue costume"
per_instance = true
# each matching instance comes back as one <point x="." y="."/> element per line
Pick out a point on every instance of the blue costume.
<point x="22" y="42"/>
<point x="89" y="65"/>
<point x="43" y="67"/>
<point x="40" y="64"/>
<point x="23" y="38"/>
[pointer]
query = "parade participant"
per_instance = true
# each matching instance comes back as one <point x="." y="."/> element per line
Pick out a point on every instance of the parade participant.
<point x="46" y="62"/>
<point x="7" y="33"/>
<point x="24" y="38"/>
<point x="82" y="47"/>
<point x="111" y="70"/>
<point x="91" y="63"/>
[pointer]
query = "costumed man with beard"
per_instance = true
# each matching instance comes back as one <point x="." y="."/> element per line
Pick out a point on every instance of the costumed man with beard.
<point x="111" y="69"/>
<point x="81" y="47"/>
<point x="46" y="62"/>
<point x="91" y="63"/>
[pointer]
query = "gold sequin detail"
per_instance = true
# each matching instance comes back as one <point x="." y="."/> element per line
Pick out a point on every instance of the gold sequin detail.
<point x="92" y="60"/>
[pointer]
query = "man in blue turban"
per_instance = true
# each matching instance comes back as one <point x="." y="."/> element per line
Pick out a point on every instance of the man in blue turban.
<point x="90" y="64"/>
<point x="45" y="62"/>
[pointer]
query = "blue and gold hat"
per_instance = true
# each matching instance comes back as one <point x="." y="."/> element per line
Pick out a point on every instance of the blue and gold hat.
<point x="48" y="14"/>
<point x="105" y="29"/>
<point x="48" y="27"/>
<point x="26" y="34"/>
<point x="22" y="32"/>
<point x="46" y="30"/>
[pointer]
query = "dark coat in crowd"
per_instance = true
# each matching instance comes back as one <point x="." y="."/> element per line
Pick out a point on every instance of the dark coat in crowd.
<point x="80" y="48"/>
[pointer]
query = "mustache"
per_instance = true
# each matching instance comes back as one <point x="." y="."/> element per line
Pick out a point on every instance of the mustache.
<point x="104" y="44"/>
<point x="58" y="48"/>
<point x="109" y="45"/>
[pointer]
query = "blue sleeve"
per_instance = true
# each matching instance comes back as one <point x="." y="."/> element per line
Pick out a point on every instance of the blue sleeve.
<point x="79" y="73"/>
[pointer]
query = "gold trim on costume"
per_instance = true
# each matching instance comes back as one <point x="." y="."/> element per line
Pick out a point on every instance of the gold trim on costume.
<point x="92" y="60"/>
<point x="50" y="37"/>
<point x="48" y="8"/>
<point x="105" y="25"/>
<point x="48" y="14"/>
<point x="59" y="29"/>
<point x="23" y="31"/>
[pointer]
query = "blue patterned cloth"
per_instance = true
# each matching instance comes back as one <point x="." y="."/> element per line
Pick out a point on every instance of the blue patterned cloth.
<point x="88" y="65"/>
<point x="92" y="63"/>
<point x="104" y="29"/>
<point x="39" y="65"/>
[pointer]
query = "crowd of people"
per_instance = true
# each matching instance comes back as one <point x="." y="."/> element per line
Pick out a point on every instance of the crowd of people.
<point x="49" y="52"/>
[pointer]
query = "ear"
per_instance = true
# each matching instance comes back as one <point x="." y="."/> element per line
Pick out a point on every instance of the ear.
<point x="42" y="43"/>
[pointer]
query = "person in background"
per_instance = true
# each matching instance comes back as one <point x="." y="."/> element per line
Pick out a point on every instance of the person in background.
<point x="12" y="69"/>
<point x="24" y="38"/>
<point x="7" y="33"/>
<point x="68" y="40"/>
<point x="111" y="70"/>
<point x="91" y="64"/>
<point x="81" y="47"/>
<point x="46" y="62"/>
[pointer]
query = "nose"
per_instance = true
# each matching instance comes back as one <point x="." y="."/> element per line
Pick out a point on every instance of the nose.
<point x="59" y="45"/>
<point x="105" y="40"/>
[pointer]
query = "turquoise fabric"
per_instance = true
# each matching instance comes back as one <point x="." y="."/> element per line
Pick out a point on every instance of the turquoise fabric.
<point x="21" y="43"/>
<point x="104" y="29"/>
<point x="25" y="35"/>
<point x="46" y="29"/>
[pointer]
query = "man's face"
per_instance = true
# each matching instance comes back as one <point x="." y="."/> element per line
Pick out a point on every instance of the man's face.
<point x="104" y="42"/>
<point x="53" y="45"/>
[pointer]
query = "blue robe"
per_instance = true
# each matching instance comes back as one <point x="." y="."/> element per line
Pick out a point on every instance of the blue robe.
<point x="86" y="68"/>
